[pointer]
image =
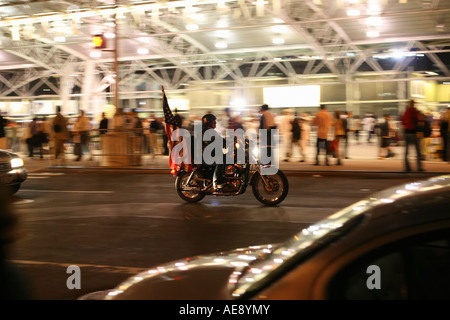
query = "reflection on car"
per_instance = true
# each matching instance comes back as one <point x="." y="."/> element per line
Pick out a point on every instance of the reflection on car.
<point x="393" y="245"/>
<point x="12" y="171"/>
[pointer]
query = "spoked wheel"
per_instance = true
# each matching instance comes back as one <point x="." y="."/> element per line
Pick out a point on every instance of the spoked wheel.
<point x="273" y="191"/>
<point x="188" y="195"/>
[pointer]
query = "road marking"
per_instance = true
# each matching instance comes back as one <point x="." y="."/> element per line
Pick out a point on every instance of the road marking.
<point x="47" y="173"/>
<point x="132" y="270"/>
<point x="23" y="201"/>
<point x="69" y="191"/>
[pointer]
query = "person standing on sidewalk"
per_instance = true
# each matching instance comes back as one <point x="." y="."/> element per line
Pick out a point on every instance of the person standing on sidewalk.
<point x="3" y="139"/>
<point x="410" y="119"/>
<point x="368" y="123"/>
<point x="323" y="121"/>
<point x="60" y="133"/>
<point x="340" y="130"/>
<point x="445" y="134"/>
<point x="286" y="133"/>
<point x="267" y="122"/>
<point x="103" y="125"/>
<point x="32" y="136"/>
<point x="81" y="135"/>
<point x="305" y="130"/>
<point x="294" y="137"/>
<point x="386" y="135"/>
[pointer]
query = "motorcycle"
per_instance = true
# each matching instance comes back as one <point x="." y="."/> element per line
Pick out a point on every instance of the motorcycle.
<point x="270" y="190"/>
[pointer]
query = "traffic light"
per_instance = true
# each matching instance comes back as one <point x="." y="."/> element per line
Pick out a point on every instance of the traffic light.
<point x="99" y="41"/>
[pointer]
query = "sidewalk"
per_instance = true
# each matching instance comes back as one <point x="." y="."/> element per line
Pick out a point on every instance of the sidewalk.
<point x="363" y="158"/>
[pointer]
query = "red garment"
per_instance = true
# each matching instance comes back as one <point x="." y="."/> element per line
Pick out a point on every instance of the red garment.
<point x="172" y="125"/>
<point x="409" y="119"/>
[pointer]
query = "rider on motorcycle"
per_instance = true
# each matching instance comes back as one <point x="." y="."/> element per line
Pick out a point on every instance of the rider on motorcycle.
<point x="219" y="181"/>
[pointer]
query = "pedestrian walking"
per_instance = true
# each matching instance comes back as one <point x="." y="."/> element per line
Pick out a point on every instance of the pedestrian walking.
<point x="410" y="120"/>
<point x="294" y="137"/>
<point x="339" y="125"/>
<point x="305" y="131"/>
<point x="267" y="122"/>
<point x="154" y="128"/>
<point x="3" y="139"/>
<point x="81" y="135"/>
<point x="368" y="125"/>
<point x="444" y="131"/>
<point x="356" y="127"/>
<point x="228" y="121"/>
<point x="31" y="138"/>
<point x="347" y="122"/>
<point x="386" y="134"/>
<point x="323" y="121"/>
<point x="60" y="133"/>
<point x="286" y="123"/>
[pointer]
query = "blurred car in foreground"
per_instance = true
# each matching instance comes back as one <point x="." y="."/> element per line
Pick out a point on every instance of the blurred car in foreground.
<point x="393" y="245"/>
<point x="12" y="171"/>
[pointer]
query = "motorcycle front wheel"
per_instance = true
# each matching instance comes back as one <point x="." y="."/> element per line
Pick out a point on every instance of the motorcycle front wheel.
<point x="271" y="192"/>
<point x="188" y="195"/>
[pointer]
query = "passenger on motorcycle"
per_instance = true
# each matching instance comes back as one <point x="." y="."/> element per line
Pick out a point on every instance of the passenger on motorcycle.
<point x="209" y="122"/>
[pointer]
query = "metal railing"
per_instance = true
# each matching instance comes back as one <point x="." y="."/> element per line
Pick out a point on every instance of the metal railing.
<point x="124" y="147"/>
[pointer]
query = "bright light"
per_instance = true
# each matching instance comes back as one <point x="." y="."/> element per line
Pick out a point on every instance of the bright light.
<point x="398" y="53"/>
<point x="180" y="104"/>
<point x="373" y="33"/>
<point x="278" y="41"/>
<point x="95" y="54"/>
<point x="98" y="41"/>
<point x="16" y="163"/>
<point x="238" y="103"/>
<point x="373" y="21"/>
<point x="280" y="28"/>
<point x="353" y="12"/>
<point x="15" y="33"/>
<point x="144" y="39"/>
<point x="287" y="97"/>
<point x="222" y="33"/>
<point x="59" y="39"/>
<point x="191" y="27"/>
<point x="373" y="8"/>
<point x="221" y="45"/>
<point x="143" y="51"/>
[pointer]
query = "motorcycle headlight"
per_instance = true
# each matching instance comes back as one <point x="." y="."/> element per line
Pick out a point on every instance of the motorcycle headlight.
<point x="256" y="152"/>
<point x="16" y="163"/>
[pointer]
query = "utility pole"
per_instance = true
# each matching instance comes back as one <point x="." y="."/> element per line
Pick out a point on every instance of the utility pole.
<point x="116" y="58"/>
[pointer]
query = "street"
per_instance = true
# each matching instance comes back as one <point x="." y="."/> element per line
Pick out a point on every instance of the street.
<point x="114" y="225"/>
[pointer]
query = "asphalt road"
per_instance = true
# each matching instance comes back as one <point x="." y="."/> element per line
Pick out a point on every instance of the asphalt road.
<point x="113" y="225"/>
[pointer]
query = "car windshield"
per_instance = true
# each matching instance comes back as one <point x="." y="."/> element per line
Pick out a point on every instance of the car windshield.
<point x="269" y="266"/>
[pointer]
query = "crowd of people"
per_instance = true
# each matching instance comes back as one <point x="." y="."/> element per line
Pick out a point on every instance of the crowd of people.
<point x="327" y="133"/>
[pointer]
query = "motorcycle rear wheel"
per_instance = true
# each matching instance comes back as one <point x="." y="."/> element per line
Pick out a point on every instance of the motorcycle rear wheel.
<point x="188" y="196"/>
<point x="273" y="194"/>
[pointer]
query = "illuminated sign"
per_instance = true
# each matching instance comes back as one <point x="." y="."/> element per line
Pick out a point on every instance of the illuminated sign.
<point x="292" y="96"/>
